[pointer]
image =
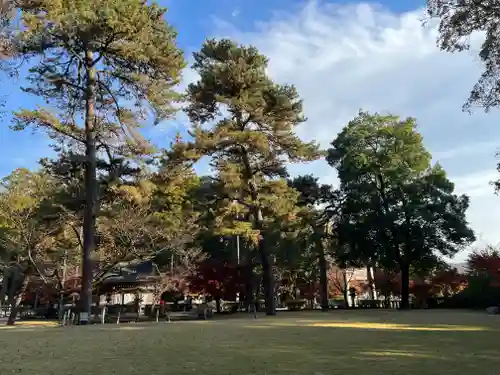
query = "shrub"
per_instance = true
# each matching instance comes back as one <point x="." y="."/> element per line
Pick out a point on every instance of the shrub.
<point x="295" y="304"/>
<point x="480" y="293"/>
<point x="369" y="303"/>
<point x="230" y="307"/>
<point x="337" y="303"/>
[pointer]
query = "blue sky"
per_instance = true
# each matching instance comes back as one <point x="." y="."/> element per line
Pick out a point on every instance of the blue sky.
<point x="195" y="21"/>
<point x="342" y="56"/>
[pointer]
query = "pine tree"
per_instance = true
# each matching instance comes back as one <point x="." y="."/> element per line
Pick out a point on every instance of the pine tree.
<point x="250" y="139"/>
<point x="317" y="223"/>
<point x="102" y="66"/>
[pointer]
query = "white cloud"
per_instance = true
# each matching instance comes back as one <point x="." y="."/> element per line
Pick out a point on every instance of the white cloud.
<point x="343" y="58"/>
<point x="485" y="148"/>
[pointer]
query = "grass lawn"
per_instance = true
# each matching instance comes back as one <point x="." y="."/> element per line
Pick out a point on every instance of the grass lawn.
<point x="316" y="343"/>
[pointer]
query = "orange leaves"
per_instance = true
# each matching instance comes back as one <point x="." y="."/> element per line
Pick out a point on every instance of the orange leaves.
<point x="218" y="279"/>
<point x="485" y="263"/>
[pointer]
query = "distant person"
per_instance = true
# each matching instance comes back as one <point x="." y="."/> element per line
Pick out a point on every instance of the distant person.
<point x="252" y="308"/>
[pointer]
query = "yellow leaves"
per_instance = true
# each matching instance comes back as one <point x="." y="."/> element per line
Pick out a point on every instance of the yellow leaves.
<point x="20" y="208"/>
<point x="231" y="174"/>
<point x="139" y="194"/>
<point x="43" y="119"/>
<point x="134" y="51"/>
<point x="239" y="228"/>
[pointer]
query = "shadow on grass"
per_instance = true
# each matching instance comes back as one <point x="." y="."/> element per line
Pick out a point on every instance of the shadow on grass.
<point x="272" y="346"/>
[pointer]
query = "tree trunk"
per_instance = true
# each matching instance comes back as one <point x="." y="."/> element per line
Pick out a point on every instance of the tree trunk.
<point x="346" y="298"/>
<point x="323" y="279"/>
<point x="137" y="303"/>
<point x="249" y="281"/>
<point x="267" y="279"/>
<point x="14" y="307"/>
<point x="371" y="282"/>
<point x="89" y="216"/>
<point x="345" y="289"/>
<point x="5" y="284"/>
<point x="267" y="267"/>
<point x="217" y="305"/>
<point x="405" y="287"/>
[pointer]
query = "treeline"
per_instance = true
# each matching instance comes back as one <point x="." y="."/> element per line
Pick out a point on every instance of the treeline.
<point x="106" y="70"/>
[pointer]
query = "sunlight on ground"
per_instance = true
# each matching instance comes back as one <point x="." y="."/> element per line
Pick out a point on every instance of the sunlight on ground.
<point x="396" y="353"/>
<point x="399" y="327"/>
<point x="128" y="328"/>
<point x="31" y="323"/>
<point x="303" y="343"/>
<point x="375" y="326"/>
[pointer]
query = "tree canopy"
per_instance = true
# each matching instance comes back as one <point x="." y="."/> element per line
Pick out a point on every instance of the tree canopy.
<point x="458" y="20"/>
<point x="242" y="226"/>
<point x="88" y="58"/>
<point x="250" y="141"/>
<point x="394" y="198"/>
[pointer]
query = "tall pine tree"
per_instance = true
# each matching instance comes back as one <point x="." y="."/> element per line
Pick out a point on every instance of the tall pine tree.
<point x="245" y="122"/>
<point x="102" y="66"/>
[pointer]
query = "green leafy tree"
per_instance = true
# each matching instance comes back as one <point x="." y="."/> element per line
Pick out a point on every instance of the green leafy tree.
<point x="459" y="20"/>
<point x="7" y="50"/>
<point x="317" y="223"/>
<point x="122" y="183"/>
<point x="394" y="199"/>
<point x="296" y="251"/>
<point x="143" y="215"/>
<point x="250" y="139"/>
<point x="102" y="66"/>
<point x="7" y="47"/>
<point x="26" y="242"/>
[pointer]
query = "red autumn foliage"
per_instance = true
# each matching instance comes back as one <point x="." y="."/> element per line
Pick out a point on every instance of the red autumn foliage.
<point x="485" y="263"/>
<point x="420" y="288"/>
<point x="217" y="279"/>
<point x="448" y="282"/>
<point x="340" y="280"/>
<point x="308" y="289"/>
<point x="387" y="283"/>
<point x="41" y="292"/>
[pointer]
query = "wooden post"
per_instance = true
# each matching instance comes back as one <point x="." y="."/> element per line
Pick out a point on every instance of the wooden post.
<point x="103" y="314"/>
<point x="167" y="313"/>
<point x="122" y="302"/>
<point x="63" y="282"/>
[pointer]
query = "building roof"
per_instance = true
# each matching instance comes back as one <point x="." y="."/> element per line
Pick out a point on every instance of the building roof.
<point x="135" y="272"/>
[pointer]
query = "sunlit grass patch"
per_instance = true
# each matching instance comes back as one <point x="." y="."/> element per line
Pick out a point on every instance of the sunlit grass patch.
<point x="397" y="353"/>
<point x="43" y="323"/>
<point x="302" y="343"/>
<point x="128" y="328"/>
<point x="374" y="326"/>
<point x="399" y="327"/>
<point x="31" y="323"/>
<point x="260" y="326"/>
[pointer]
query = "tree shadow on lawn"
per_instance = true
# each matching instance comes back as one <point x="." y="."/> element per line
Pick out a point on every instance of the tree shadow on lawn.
<point x="263" y="346"/>
<point x="386" y="348"/>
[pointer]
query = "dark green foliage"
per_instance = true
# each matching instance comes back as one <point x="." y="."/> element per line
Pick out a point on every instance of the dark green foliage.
<point x="316" y="222"/>
<point x="398" y="210"/>
<point x="245" y="123"/>
<point x="459" y="20"/>
<point x="90" y="56"/>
